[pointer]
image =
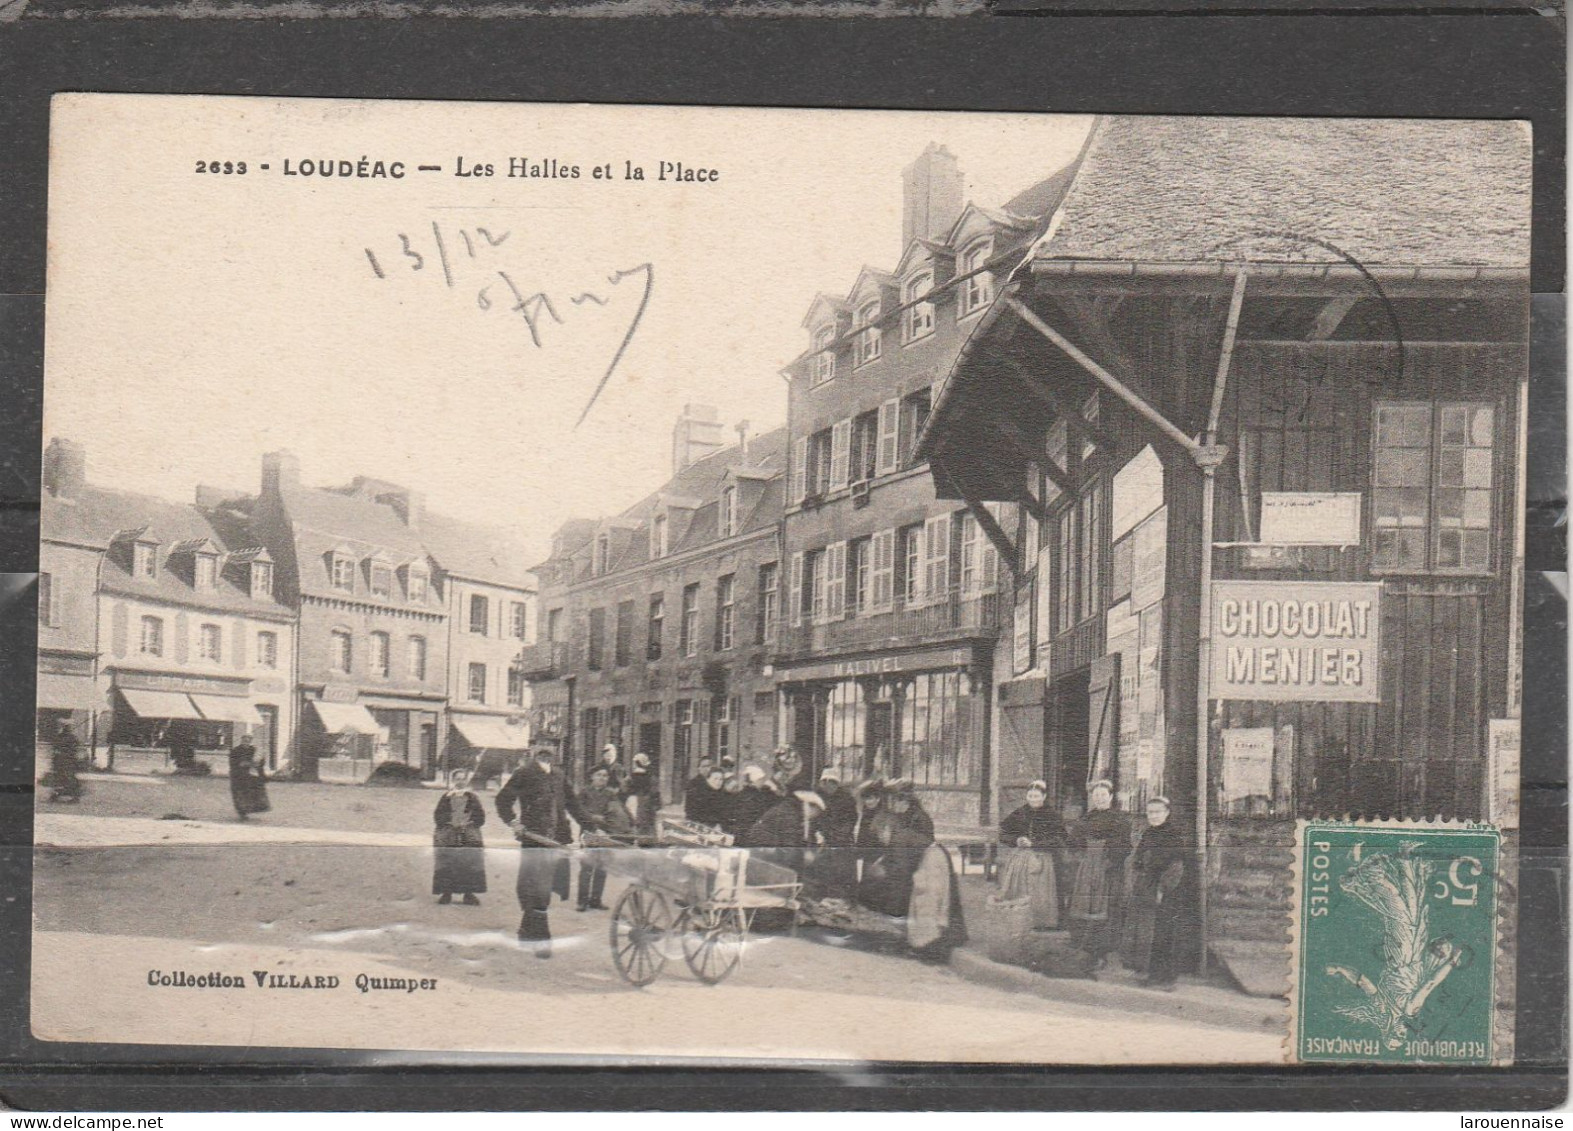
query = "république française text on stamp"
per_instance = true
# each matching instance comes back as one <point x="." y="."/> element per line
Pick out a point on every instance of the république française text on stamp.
<point x="1395" y="941"/>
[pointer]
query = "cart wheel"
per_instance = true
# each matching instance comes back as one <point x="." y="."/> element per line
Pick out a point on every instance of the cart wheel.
<point x="640" y="923"/>
<point x="713" y="939"/>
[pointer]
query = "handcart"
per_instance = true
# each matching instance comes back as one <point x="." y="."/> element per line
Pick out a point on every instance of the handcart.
<point x="692" y="888"/>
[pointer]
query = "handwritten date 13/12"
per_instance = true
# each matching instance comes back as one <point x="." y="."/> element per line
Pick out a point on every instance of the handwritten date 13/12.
<point x="498" y="290"/>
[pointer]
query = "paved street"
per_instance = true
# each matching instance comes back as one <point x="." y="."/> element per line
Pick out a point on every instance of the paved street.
<point x="337" y="908"/>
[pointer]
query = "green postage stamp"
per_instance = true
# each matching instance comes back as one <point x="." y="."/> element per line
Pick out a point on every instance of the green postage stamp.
<point x="1395" y="942"/>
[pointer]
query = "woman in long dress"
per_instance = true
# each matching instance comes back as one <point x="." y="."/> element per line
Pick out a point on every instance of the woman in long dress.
<point x="1034" y="838"/>
<point x="1101" y="841"/>
<point x="459" y="863"/>
<point x="1161" y="874"/>
<point x="247" y="785"/>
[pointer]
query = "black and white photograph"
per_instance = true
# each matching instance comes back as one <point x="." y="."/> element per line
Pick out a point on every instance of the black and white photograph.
<point x="670" y="585"/>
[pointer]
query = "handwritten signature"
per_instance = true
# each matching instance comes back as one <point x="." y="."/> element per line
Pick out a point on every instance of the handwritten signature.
<point x="534" y="308"/>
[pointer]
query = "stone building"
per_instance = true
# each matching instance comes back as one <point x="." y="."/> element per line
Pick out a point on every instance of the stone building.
<point x="192" y="645"/>
<point x="656" y="624"/>
<point x="894" y="597"/>
<point x="372" y="663"/>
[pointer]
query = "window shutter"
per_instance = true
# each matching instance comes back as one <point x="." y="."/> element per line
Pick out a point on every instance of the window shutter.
<point x="799" y="469"/>
<point x="794" y="595"/>
<point x="840" y="454"/>
<point x="883" y="551"/>
<point x="889" y="431"/>
<point x="936" y="545"/>
<point x="970" y="582"/>
<point x="818" y="566"/>
<point x="835" y="580"/>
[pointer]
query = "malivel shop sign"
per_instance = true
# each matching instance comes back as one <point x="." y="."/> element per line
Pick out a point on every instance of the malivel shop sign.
<point x="1299" y="641"/>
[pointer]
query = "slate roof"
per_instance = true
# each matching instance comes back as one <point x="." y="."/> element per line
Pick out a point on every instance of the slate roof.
<point x="700" y="480"/>
<point x="95" y="515"/>
<point x="479" y="553"/>
<point x="1390" y="193"/>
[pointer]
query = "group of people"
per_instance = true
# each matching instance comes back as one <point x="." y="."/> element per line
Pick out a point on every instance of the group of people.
<point x="871" y="844"/>
<point x="536" y="803"/>
<point x="248" y="789"/>
<point x="1086" y="877"/>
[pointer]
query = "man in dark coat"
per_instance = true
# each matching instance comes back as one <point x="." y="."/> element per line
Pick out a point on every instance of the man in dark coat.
<point x="708" y="802"/>
<point x="644" y="793"/>
<point x="902" y="803"/>
<point x="62" y="778"/>
<point x="246" y="781"/>
<point x="600" y="810"/>
<point x="787" y="834"/>
<point x="1161" y="873"/>
<point x="835" y="870"/>
<point x="534" y="802"/>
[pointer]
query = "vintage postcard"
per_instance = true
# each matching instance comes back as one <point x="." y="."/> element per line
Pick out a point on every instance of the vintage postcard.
<point x="651" y="583"/>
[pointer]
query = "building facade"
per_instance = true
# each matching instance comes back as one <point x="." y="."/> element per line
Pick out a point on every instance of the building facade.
<point x="1279" y="572"/>
<point x="190" y="647"/>
<point x="893" y="595"/>
<point x="491" y="618"/>
<point x="372" y="659"/>
<point x="656" y="625"/>
<point x="71" y="550"/>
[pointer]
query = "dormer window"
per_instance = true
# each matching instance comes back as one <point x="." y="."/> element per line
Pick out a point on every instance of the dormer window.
<point x="344" y="572"/>
<point x="206" y="571"/>
<point x="867" y="327"/>
<point x="603" y="555"/>
<point x="824" y="367"/>
<point x="919" y="321"/>
<point x="381" y="580"/>
<point x="261" y="580"/>
<point x="728" y="518"/>
<point x="415" y="580"/>
<point x="144" y="559"/>
<point x="977" y="285"/>
<point x="658" y="536"/>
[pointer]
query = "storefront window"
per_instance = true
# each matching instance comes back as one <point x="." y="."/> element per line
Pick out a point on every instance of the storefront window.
<point x="1431" y="486"/>
<point x="917" y="726"/>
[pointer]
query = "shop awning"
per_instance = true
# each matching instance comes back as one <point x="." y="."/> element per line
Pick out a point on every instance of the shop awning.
<point x="160" y="704"/>
<point x="339" y="717"/>
<point x="227" y="709"/>
<point x="494" y="734"/>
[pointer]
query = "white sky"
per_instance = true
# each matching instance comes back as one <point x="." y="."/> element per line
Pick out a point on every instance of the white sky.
<point x="197" y="321"/>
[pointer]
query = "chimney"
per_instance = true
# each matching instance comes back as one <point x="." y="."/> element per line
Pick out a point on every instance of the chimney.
<point x="741" y="427"/>
<point x="932" y="192"/>
<point x="411" y="505"/>
<point x="280" y="472"/>
<point x="65" y="468"/>
<point x="696" y="435"/>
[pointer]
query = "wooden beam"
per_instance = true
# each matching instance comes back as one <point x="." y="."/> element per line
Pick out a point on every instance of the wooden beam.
<point x="1032" y="506"/>
<point x="1014" y="436"/>
<point x="1079" y="424"/>
<point x="1330" y="317"/>
<point x="1107" y="379"/>
<point x="995" y="532"/>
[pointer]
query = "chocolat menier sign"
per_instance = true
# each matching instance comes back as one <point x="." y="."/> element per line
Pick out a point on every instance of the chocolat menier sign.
<point x="1308" y="641"/>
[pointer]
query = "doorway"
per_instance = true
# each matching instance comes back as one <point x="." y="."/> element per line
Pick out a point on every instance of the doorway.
<point x="1065" y="748"/>
<point x="267" y="736"/>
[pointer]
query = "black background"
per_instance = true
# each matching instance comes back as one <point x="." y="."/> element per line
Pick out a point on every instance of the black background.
<point x="1448" y="62"/>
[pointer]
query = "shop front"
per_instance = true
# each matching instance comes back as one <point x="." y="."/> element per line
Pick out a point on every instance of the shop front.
<point x="164" y="722"/>
<point x="491" y="746"/>
<point x="920" y="715"/>
<point x="67" y="697"/>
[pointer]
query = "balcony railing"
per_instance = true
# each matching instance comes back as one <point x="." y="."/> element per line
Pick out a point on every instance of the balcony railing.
<point x="549" y="659"/>
<point x="955" y="617"/>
